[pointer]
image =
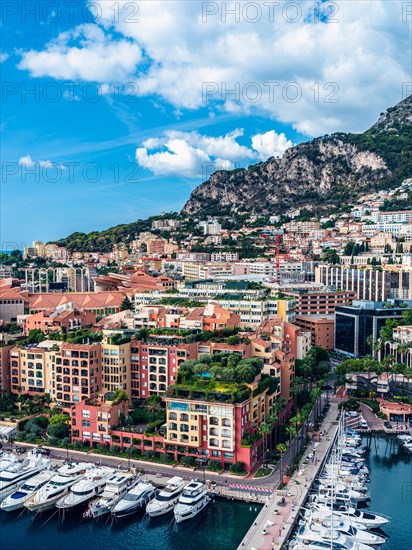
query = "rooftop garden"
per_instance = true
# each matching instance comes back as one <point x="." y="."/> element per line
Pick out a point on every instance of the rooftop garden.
<point x="221" y="378"/>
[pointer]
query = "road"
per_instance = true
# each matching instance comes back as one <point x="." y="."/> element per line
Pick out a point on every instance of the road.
<point x="153" y="468"/>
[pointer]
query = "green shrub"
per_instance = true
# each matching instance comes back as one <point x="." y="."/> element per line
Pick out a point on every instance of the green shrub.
<point x="237" y="467"/>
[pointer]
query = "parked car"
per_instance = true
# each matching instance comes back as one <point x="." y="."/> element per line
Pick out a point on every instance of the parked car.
<point x="351" y="413"/>
<point x="41" y="451"/>
<point x="388" y="425"/>
<point x="20" y="450"/>
<point x="363" y="424"/>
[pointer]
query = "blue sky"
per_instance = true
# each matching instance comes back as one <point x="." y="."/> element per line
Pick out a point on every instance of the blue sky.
<point x="133" y="108"/>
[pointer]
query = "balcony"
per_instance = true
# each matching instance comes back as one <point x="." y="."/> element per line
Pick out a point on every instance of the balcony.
<point x="214" y="431"/>
<point x="214" y="442"/>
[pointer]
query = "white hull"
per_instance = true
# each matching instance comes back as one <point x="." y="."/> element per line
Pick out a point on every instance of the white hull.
<point x="162" y="511"/>
<point x="180" y="517"/>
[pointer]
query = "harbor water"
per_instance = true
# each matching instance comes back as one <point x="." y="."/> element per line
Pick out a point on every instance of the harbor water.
<point x="220" y="526"/>
<point x="390" y="469"/>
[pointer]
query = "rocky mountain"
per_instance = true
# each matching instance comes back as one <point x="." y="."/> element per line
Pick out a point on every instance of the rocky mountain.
<point x="319" y="175"/>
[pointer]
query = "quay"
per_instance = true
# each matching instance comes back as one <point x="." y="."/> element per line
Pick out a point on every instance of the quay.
<point x="274" y="524"/>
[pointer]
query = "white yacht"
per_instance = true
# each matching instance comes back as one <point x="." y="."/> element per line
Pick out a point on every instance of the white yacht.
<point x="135" y="499"/>
<point x="116" y="487"/>
<point x="7" y="460"/>
<point x="59" y="485"/>
<point x="342" y="492"/>
<point x="369" y="519"/>
<point x="193" y="499"/>
<point x="91" y="485"/>
<point x="16" y="500"/>
<point x="308" y="536"/>
<point x="16" y="474"/>
<point x="167" y="498"/>
<point x="358" y="534"/>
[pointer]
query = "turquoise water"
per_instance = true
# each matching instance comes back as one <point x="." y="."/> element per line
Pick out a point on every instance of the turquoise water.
<point x="221" y="526"/>
<point x="391" y="489"/>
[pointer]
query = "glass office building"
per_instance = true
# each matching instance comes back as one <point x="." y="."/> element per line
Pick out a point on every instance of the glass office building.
<point x="353" y="324"/>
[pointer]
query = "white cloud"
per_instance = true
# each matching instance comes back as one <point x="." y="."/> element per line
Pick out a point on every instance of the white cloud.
<point x="270" y="144"/>
<point x="190" y="154"/>
<point x="87" y="53"/>
<point x="342" y="74"/>
<point x="28" y="162"/>
<point x="3" y="57"/>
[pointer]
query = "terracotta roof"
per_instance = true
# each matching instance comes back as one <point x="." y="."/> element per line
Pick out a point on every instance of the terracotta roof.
<point x="81" y="300"/>
<point x="12" y="294"/>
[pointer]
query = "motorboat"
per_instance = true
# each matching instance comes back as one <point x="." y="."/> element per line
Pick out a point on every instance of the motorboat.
<point x="314" y="532"/>
<point x="193" y="499"/>
<point x="167" y="498"/>
<point x="358" y="534"/>
<point x="16" y="474"/>
<point x="59" y="485"/>
<point x="340" y="491"/>
<point x="135" y="499"/>
<point x="16" y="500"/>
<point x="7" y="460"/>
<point x="367" y="518"/>
<point x="91" y="485"/>
<point x="116" y="487"/>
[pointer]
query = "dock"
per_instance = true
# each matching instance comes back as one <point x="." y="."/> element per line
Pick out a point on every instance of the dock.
<point x="274" y="525"/>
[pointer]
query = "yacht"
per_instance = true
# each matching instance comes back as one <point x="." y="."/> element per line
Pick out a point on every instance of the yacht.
<point x="369" y="519"/>
<point x="116" y="487"/>
<point x="307" y="536"/>
<point x="340" y="491"/>
<point x="135" y="499"/>
<point x="16" y="474"/>
<point x="167" y="498"/>
<point x="59" y="485"/>
<point x="7" y="460"/>
<point x="193" y="499"/>
<point x="358" y="534"/>
<point x="16" y="500"/>
<point x="91" y="485"/>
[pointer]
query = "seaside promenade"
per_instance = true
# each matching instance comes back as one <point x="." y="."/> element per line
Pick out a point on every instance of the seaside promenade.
<point x="273" y="526"/>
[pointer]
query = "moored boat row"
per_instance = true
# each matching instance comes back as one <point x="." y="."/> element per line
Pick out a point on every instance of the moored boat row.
<point x="333" y="516"/>
<point x="36" y="485"/>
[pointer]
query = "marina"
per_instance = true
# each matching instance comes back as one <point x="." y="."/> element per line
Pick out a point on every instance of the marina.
<point x="163" y="508"/>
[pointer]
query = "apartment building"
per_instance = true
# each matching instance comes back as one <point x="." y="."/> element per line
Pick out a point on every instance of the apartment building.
<point x="56" y="319"/>
<point x="319" y="302"/>
<point x="210" y="317"/>
<point x="13" y="303"/>
<point x="154" y="366"/>
<point x="386" y="283"/>
<point x="70" y="373"/>
<point x="116" y="365"/>
<point x="224" y="257"/>
<point x="321" y="328"/>
<point x="214" y="430"/>
<point x="5" y="368"/>
<point x="403" y="216"/>
<point x="92" y="420"/>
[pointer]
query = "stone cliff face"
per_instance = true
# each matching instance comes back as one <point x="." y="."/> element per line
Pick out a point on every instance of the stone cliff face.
<point x="318" y="174"/>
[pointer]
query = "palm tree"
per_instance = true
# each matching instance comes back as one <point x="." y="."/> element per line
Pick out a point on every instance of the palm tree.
<point x="281" y="448"/>
<point x="264" y="430"/>
<point x="154" y="405"/>
<point x="402" y="350"/>
<point x="377" y="348"/>
<point x="370" y="341"/>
